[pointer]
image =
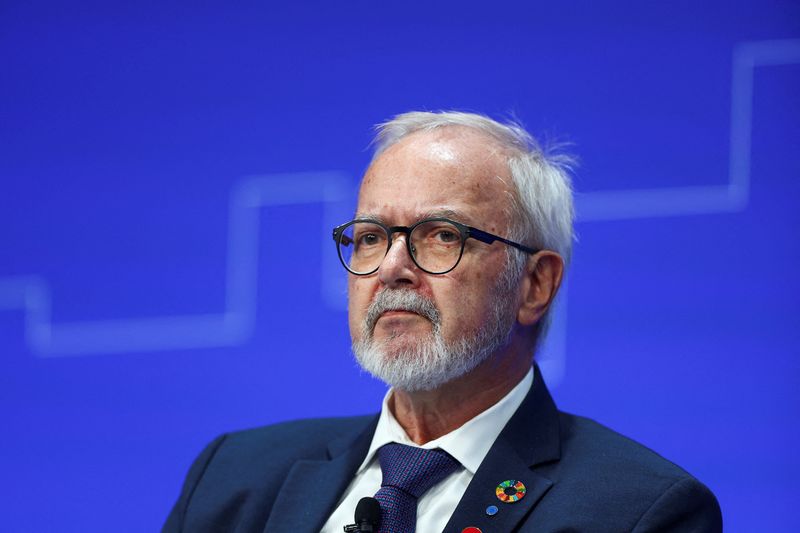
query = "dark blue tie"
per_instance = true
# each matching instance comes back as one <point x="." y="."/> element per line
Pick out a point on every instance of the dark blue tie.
<point x="408" y="472"/>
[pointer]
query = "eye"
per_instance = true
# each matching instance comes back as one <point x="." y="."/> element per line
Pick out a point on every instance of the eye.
<point x="447" y="235"/>
<point x="368" y="239"/>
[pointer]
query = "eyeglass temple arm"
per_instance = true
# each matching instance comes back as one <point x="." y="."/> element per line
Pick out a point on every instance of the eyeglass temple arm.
<point x="347" y="241"/>
<point x="489" y="238"/>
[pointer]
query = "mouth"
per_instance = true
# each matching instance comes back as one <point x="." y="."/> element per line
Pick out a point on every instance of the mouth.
<point x="397" y="312"/>
<point x="394" y="308"/>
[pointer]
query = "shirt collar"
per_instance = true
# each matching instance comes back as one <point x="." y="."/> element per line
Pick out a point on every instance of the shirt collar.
<point x="469" y="443"/>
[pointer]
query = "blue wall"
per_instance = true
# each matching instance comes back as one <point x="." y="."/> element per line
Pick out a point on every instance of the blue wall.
<point x="157" y="161"/>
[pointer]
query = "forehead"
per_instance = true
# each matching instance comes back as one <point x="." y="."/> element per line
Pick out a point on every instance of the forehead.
<point x="452" y="169"/>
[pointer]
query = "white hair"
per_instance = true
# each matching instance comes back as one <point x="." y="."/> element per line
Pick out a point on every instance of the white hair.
<point x="543" y="212"/>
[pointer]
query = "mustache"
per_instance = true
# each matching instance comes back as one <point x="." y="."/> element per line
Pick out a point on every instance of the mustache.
<point x="401" y="300"/>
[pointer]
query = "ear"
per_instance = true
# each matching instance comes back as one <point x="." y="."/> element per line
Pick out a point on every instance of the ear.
<point x="539" y="286"/>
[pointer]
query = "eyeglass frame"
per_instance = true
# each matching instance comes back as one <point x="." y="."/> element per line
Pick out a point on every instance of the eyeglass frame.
<point x="465" y="231"/>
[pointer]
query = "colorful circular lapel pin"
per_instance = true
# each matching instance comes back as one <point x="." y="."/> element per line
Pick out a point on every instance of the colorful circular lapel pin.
<point x="510" y="491"/>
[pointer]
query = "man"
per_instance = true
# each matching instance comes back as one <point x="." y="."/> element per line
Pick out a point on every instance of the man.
<point x="455" y="255"/>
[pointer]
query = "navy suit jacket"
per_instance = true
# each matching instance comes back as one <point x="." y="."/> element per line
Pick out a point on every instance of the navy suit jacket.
<point x="580" y="477"/>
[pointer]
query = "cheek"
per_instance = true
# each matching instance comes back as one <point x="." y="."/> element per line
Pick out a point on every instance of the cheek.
<point x="471" y="294"/>
<point x="357" y="304"/>
<point x="464" y="305"/>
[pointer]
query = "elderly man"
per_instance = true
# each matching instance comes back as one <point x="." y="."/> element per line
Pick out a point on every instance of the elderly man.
<point x="455" y="255"/>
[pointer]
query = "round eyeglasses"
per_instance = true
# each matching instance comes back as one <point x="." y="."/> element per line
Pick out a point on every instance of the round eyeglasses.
<point x="434" y="244"/>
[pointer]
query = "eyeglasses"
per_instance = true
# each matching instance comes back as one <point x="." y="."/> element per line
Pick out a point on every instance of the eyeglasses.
<point x="434" y="244"/>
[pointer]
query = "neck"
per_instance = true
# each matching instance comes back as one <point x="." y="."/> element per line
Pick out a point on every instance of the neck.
<point x="428" y="415"/>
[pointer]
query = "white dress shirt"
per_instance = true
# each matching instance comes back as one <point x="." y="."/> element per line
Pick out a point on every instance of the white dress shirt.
<point x="469" y="444"/>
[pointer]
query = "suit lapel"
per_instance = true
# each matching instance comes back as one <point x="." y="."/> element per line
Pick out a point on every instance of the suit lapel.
<point x="313" y="487"/>
<point x="531" y="437"/>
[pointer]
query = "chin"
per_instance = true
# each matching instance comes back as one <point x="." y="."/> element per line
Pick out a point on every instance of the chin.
<point x="422" y="360"/>
<point x="417" y="366"/>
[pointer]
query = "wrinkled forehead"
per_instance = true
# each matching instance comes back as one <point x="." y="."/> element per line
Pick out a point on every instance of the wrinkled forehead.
<point x="454" y="169"/>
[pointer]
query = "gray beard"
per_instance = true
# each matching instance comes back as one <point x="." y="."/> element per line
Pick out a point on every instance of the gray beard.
<point x="428" y="363"/>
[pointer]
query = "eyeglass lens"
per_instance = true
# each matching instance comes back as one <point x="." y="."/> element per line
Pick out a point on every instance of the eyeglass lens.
<point x="435" y="246"/>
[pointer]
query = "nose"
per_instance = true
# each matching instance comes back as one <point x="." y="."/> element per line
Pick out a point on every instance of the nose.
<point x="398" y="269"/>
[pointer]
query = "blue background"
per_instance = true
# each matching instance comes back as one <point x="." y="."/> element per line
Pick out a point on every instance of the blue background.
<point x="159" y="162"/>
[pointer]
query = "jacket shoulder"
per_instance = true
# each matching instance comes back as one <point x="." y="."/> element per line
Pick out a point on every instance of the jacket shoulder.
<point x="635" y="488"/>
<point x="587" y="442"/>
<point x="235" y="479"/>
<point x="304" y="434"/>
<point x="277" y="446"/>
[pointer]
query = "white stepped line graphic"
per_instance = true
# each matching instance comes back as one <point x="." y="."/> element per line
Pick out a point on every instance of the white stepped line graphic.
<point x="333" y="190"/>
<point x="703" y="199"/>
<point x="231" y="327"/>
<point x="677" y="201"/>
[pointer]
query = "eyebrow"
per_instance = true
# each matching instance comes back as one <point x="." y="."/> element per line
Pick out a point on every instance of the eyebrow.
<point x="458" y="216"/>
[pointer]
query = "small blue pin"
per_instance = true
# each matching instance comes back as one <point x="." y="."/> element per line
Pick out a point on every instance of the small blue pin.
<point x="491" y="510"/>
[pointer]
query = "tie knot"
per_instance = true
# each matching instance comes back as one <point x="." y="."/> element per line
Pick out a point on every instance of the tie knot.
<point x="414" y="470"/>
